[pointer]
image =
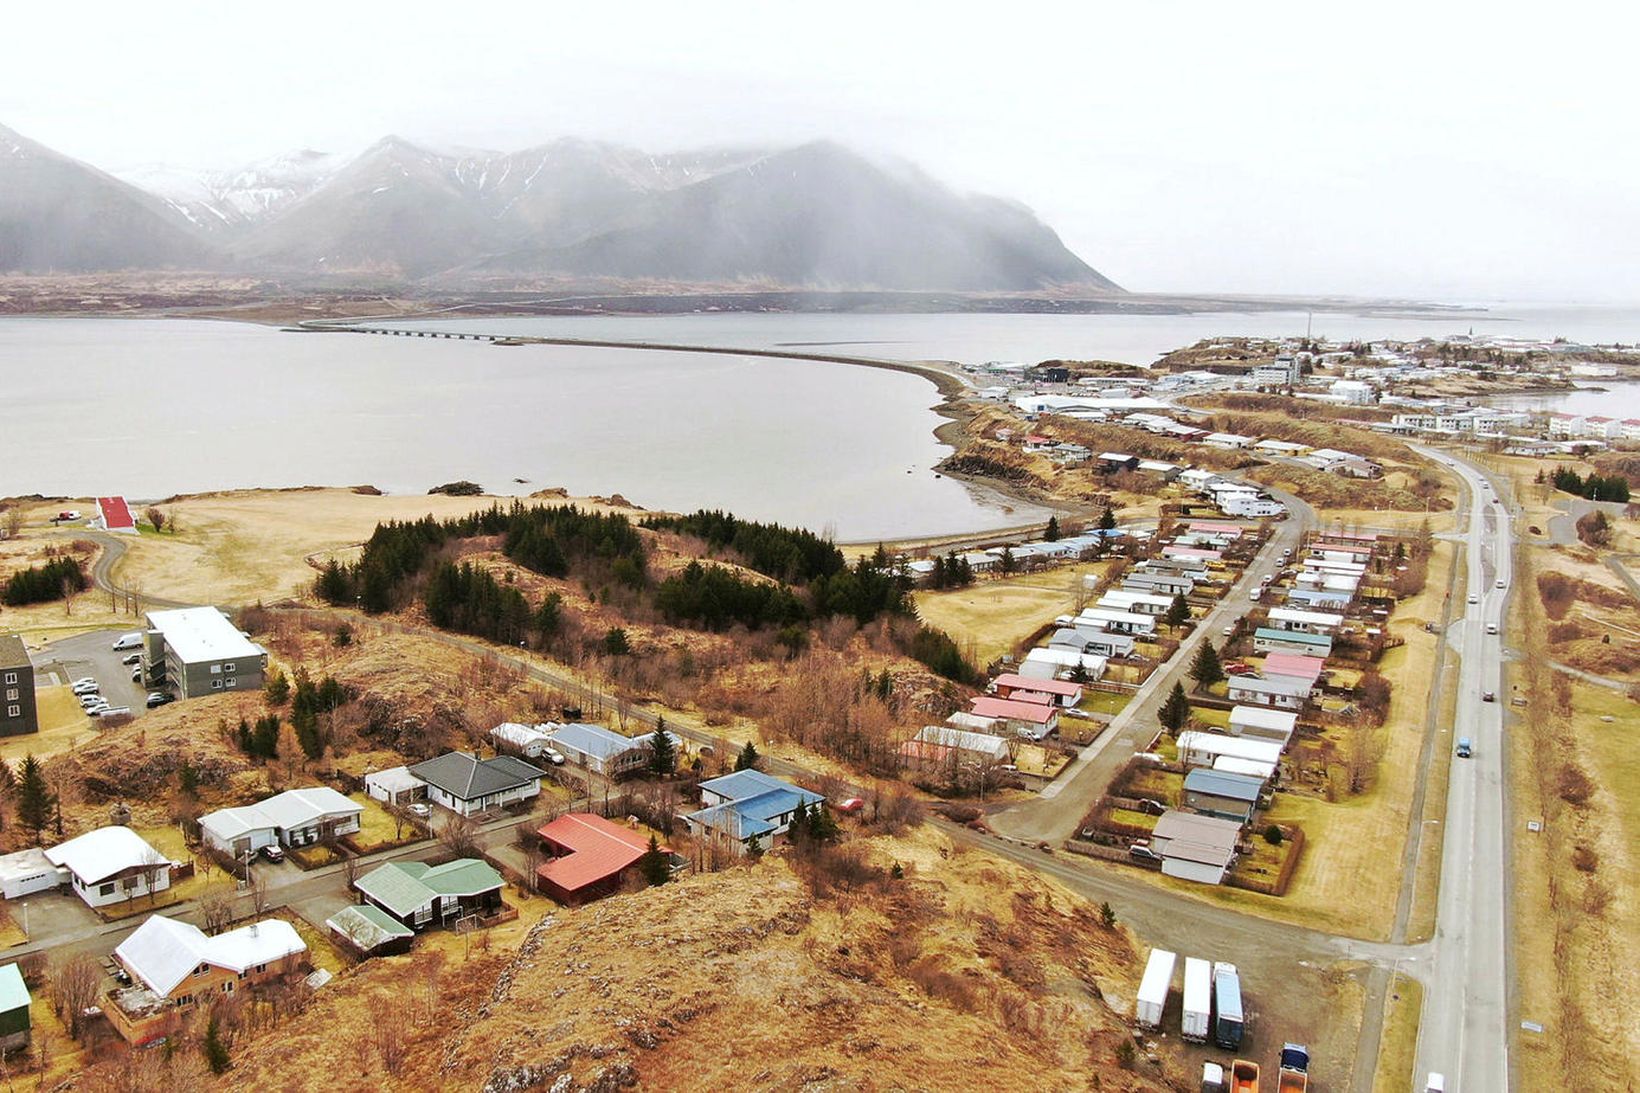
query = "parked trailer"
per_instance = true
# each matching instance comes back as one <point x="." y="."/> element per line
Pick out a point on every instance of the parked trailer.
<point x="1227" y="1020"/>
<point x="1243" y="1077"/>
<point x="1198" y="1000"/>
<point x="1212" y="1078"/>
<point x="1294" y="1075"/>
<point x="1153" y="988"/>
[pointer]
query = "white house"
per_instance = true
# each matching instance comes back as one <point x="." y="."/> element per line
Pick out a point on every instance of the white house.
<point x="1052" y="663"/>
<point x="605" y="752"/>
<point x="1282" y="692"/>
<point x="1200" y="749"/>
<point x="528" y="740"/>
<point x="29" y="871"/>
<point x="112" y="865"/>
<point x="1227" y="440"/>
<point x="1308" y="622"/>
<point x="1251" y="507"/>
<point x="1259" y="723"/>
<point x="1123" y="622"/>
<point x="1194" y="847"/>
<point x="395" y="786"/>
<point x="296" y="817"/>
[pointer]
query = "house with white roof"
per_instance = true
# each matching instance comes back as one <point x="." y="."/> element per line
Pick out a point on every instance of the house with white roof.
<point x="1308" y="622"/>
<point x="194" y="651"/>
<point x="1200" y="749"/>
<point x="606" y="752"/>
<point x="175" y="967"/>
<point x="111" y="865"/>
<point x="1282" y="692"/>
<point x="942" y="746"/>
<point x="296" y="817"/>
<point x="1227" y="440"/>
<point x="1259" y="723"/>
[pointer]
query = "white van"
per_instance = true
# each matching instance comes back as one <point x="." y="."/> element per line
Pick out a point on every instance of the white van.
<point x="1436" y="1083"/>
<point x="129" y="641"/>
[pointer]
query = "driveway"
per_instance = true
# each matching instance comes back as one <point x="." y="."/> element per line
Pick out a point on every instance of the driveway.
<point x="92" y="654"/>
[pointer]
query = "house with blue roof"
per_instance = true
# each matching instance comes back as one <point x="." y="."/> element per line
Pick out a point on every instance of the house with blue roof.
<point x="748" y="805"/>
<point x="1222" y="794"/>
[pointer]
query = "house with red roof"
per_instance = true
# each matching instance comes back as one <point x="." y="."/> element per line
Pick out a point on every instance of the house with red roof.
<point x="116" y="515"/>
<point x="1033" y="719"/>
<point x="589" y="857"/>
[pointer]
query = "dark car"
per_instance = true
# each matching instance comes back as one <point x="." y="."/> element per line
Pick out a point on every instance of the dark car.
<point x="273" y="854"/>
<point x="158" y="698"/>
<point x="1488" y="696"/>
<point x="1151" y="807"/>
<point x="1143" y="852"/>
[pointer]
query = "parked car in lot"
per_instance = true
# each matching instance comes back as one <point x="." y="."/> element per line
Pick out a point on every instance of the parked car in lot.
<point x="158" y="698"/>
<point x="131" y="658"/>
<point x="1151" y="807"/>
<point x="1143" y="852"/>
<point x="84" y="683"/>
<point x="553" y="756"/>
<point x="132" y="640"/>
<point x="136" y="675"/>
<point x="69" y="514"/>
<point x="420" y="808"/>
<point x="273" y="854"/>
<point x="92" y="699"/>
<point x="109" y="711"/>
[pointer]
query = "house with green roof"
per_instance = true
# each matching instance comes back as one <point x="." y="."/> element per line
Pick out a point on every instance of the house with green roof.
<point x="418" y="895"/>
<point x="14" y="1016"/>
<point x="367" y="930"/>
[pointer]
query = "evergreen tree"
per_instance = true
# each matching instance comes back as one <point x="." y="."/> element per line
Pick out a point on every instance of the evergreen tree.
<point x="188" y="778"/>
<point x="799" y="831"/>
<point x="1178" y="612"/>
<point x="1206" y="669"/>
<point x="1008" y="564"/>
<point x="748" y="758"/>
<point x="663" y="756"/>
<point x="1107" y="519"/>
<point x="754" y="848"/>
<point x="216" y="1050"/>
<point x="616" y="643"/>
<point x="1050" y="534"/>
<point x="653" y="865"/>
<point x="35" y="801"/>
<point x="278" y="688"/>
<point x="1175" y="711"/>
<point x="822" y="824"/>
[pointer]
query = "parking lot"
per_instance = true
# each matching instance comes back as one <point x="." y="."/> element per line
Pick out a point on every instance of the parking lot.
<point x="93" y="655"/>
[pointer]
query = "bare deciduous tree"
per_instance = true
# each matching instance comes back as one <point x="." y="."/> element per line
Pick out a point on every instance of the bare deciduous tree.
<point x="74" y="981"/>
<point x="216" y="909"/>
<point x="155" y="516"/>
<point x="258" y="892"/>
<point x="459" y="836"/>
<point x="387" y="1033"/>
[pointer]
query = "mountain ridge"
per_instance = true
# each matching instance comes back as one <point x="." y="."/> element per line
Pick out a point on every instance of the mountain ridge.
<point x="810" y="215"/>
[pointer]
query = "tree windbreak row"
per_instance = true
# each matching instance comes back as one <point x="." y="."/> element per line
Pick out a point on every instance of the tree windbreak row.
<point x="793" y="555"/>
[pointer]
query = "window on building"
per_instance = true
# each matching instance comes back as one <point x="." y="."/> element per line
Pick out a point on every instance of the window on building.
<point x="216" y="669"/>
<point x="216" y="684"/>
<point x="231" y="682"/>
<point x="11" y="694"/>
<point x="106" y="889"/>
<point x="11" y="677"/>
<point x="260" y="968"/>
<point x="202" y="969"/>
<point x="229" y="667"/>
<point x="14" y="711"/>
<point x="227" y="986"/>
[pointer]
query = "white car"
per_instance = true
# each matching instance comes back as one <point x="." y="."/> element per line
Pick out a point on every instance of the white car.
<point x="85" y="681"/>
<point x="83" y="689"/>
<point x="553" y="756"/>
<point x="1474" y="599"/>
<point x="88" y="702"/>
<point x="110" y="711"/>
<point x="130" y="659"/>
<point x="128" y="641"/>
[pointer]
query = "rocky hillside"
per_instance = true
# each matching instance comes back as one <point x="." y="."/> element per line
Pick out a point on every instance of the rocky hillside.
<point x="776" y="975"/>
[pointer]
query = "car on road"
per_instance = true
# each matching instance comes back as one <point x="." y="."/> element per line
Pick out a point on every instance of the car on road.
<point x="159" y="698"/>
<point x="1489" y="696"/>
<point x="273" y="854"/>
<point x="1464" y="750"/>
<point x="1502" y="585"/>
<point x="420" y="808"/>
<point x="1491" y="628"/>
<point x="1230" y="631"/>
<point x="131" y="658"/>
<point x="1474" y="599"/>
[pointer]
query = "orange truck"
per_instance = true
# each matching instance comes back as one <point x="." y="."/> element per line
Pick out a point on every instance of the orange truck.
<point x="1243" y="1077"/>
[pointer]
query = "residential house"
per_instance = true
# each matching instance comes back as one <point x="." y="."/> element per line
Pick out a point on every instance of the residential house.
<point x="1062" y="693"/>
<point x="1294" y="666"/>
<point x="1227" y="440"/>
<point x="1122" y="622"/>
<point x="1267" y="640"/>
<point x="417" y="895"/>
<point x="1164" y="470"/>
<point x="193" y="651"/>
<point x="296" y="817"/>
<point x="748" y="807"/>
<point x="18" y="713"/>
<point x="464" y="783"/>
<point x="1250" y="507"/>
<point x="1157" y="583"/>
<point x="941" y="746"/>
<point x="1282" y="692"/>
<point x="1222" y="794"/>
<point x="1193" y="847"/>
<point x="175" y="968"/>
<point x="111" y="865"/>
<point x="608" y="753"/>
<point x="1216" y="527"/>
<point x="1261" y="723"/>
<point x="588" y="857"/>
<point x="1139" y="603"/>
<point x="1305" y="622"/>
<point x="1052" y="663"/>
<point x="1280" y="448"/>
<point x="15" y="1022"/>
<point x="1200" y="749"/>
<point x="1255" y="768"/>
<point x="1036" y="720"/>
<point x="1091" y="642"/>
<point x="527" y="740"/>
<point x="1117" y="461"/>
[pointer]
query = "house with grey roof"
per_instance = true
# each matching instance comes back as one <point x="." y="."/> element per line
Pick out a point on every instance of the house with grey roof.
<point x="748" y="806"/>
<point x="464" y="783"/>
<point x="1222" y="794"/>
<point x="1282" y="692"/>
<point x="605" y="752"/>
<point x="418" y="895"/>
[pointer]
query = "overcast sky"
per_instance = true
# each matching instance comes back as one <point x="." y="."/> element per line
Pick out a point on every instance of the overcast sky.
<point x="1437" y="150"/>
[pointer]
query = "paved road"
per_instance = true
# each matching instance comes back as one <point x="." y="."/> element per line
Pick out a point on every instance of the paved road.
<point x="1464" y="1031"/>
<point x="1054" y="816"/>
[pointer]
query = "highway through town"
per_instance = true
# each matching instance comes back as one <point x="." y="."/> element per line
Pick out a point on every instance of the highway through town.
<point x="1464" y="1032"/>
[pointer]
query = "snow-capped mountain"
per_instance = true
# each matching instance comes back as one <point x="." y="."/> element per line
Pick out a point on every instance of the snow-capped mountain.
<point x="815" y="215"/>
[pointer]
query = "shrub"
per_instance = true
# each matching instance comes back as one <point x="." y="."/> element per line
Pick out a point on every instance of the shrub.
<point x="1273" y="835"/>
<point x="41" y="584"/>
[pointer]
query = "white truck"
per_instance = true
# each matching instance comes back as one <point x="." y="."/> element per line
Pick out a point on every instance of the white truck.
<point x="1153" y="989"/>
<point x="1198" y="1000"/>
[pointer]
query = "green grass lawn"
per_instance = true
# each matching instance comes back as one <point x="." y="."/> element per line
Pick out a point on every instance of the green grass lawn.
<point x="1133" y="819"/>
<point x="1219" y="719"/>
<point x="1105" y="702"/>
